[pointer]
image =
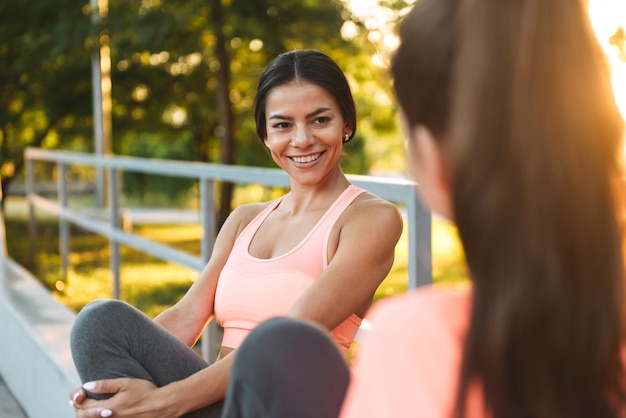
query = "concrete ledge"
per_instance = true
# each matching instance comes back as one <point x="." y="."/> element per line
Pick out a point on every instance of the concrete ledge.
<point x="35" y="358"/>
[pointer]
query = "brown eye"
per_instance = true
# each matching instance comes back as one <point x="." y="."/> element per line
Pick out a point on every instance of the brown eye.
<point x="321" y="120"/>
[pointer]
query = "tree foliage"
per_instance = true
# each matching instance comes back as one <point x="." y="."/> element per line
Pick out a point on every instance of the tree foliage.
<point x="45" y="80"/>
<point x="166" y="76"/>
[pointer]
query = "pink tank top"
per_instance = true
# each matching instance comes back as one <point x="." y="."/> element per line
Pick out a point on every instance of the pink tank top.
<point x="251" y="290"/>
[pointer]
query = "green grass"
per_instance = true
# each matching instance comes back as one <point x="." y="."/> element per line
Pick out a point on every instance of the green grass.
<point x="153" y="285"/>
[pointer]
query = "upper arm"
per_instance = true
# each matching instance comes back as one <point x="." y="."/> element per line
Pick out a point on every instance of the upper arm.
<point x="363" y="257"/>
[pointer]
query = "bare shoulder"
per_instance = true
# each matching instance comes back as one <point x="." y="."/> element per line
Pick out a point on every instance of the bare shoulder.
<point x="248" y="210"/>
<point x="242" y="215"/>
<point x="370" y="208"/>
<point x="371" y="202"/>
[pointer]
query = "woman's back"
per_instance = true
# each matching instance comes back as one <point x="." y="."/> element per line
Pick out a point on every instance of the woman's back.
<point x="410" y="355"/>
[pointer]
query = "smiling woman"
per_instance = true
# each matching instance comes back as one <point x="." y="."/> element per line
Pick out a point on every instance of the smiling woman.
<point x="292" y="256"/>
<point x="305" y="131"/>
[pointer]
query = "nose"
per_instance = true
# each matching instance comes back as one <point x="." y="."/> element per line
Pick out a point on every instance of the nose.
<point x="301" y="137"/>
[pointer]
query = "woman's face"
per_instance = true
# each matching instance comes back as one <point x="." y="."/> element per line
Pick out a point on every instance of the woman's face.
<point x="305" y="128"/>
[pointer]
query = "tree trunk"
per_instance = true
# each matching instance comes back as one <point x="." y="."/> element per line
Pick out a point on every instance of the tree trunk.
<point x="224" y="107"/>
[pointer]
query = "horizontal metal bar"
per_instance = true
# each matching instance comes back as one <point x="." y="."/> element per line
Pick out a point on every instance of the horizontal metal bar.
<point x="397" y="190"/>
<point x="92" y="224"/>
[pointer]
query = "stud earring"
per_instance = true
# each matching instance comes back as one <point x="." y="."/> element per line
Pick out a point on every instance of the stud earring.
<point x="346" y="137"/>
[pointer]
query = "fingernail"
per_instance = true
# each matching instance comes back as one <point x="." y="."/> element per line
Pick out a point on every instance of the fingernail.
<point x="72" y="403"/>
<point x="90" y="386"/>
<point x="106" y="413"/>
<point x="76" y="395"/>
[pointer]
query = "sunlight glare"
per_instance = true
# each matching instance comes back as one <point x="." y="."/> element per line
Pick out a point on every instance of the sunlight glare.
<point x="607" y="16"/>
<point x="380" y="23"/>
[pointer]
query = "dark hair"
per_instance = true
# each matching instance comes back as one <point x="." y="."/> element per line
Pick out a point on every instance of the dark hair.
<point x="311" y="66"/>
<point x="519" y="95"/>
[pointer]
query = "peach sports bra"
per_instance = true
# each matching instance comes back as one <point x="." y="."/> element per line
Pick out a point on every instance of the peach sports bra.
<point x="251" y="290"/>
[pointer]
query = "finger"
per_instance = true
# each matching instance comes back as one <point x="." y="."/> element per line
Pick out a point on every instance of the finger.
<point x="94" y="413"/>
<point x="77" y="396"/>
<point x="105" y="386"/>
<point x="90" y="405"/>
<point x="74" y="393"/>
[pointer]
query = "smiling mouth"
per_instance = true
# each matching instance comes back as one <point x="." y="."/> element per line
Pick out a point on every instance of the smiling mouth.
<point x="307" y="158"/>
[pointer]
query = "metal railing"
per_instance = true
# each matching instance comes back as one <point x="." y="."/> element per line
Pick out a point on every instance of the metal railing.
<point x="401" y="192"/>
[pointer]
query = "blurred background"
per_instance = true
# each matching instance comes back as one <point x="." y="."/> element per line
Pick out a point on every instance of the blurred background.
<point x="177" y="81"/>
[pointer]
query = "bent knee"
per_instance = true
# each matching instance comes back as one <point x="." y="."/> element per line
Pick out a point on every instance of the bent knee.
<point x="274" y="329"/>
<point x="98" y="316"/>
<point x="287" y="335"/>
<point x="99" y="308"/>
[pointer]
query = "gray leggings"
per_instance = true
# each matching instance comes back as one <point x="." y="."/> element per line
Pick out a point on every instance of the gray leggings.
<point x="286" y="368"/>
<point x="112" y="339"/>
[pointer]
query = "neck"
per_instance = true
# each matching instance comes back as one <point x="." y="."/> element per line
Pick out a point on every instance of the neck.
<point x="317" y="197"/>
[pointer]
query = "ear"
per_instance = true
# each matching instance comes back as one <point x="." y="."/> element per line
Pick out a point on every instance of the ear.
<point x="266" y="143"/>
<point x="348" y="128"/>
<point x="428" y="166"/>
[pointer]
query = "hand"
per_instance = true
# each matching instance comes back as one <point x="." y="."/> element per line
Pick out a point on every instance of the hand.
<point x="131" y="399"/>
<point x="85" y="407"/>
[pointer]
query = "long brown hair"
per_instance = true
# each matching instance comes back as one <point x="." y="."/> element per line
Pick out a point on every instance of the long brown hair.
<point x="522" y="102"/>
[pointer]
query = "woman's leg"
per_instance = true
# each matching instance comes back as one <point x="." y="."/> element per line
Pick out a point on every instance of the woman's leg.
<point x="284" y="369"/>
<point x="112" y="339"/>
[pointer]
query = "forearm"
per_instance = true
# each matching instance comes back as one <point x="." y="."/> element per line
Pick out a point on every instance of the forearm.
<point x="179" y="326"/>
<point x="198" y="390"/>
<point x="138" y="397"/>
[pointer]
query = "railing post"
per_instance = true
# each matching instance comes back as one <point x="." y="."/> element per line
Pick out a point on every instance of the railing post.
<point x="211" y="333"/>
<point x="3" y="236"/>
<point x="207" y="217"/>
<point x="114" y="221"/>
<point x="63" y="224"/>
<point x="32" y="225"/>
<point x="420" y="237"/>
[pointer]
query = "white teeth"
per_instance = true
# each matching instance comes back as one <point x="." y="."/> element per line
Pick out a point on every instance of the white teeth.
<point x="306" y="159"/>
